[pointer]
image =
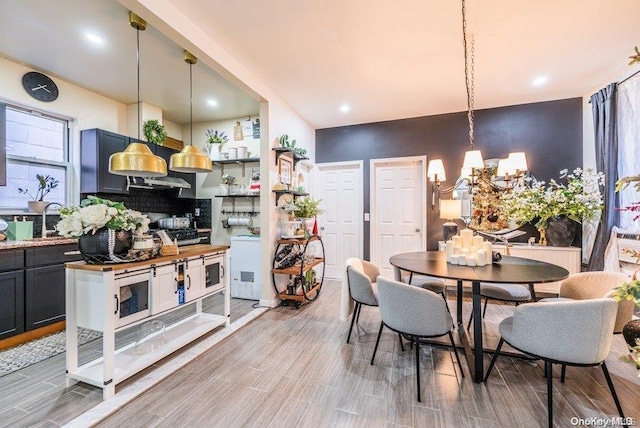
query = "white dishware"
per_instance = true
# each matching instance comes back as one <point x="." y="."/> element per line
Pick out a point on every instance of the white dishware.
<point x="233" y="153"/>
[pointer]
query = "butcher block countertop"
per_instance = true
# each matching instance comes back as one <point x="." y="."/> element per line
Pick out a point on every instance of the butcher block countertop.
<point x="185" y="252"/>
<point x="36" y="242"/>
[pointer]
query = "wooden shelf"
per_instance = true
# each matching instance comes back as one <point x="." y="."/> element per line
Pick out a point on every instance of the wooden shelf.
<point x="295" y="194"/>
<point x="246" y="195"/>
<point x="295" y="269"/>
<point x="299" y="297"/>
<point x="298" y="241"/>
<point x="240" y="162"/>
<point x="283" y="150"/>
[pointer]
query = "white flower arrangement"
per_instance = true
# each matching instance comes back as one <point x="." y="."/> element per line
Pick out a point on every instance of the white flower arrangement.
<point x="579" y="199"/>
<point x="95" y="213"/>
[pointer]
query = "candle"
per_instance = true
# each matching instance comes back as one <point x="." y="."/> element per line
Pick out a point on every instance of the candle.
<point x="473" y="250"/>
<point x="471" y="261"/>
<point x="457" y="250"/>
<point x="467" y="236"/>
<point x="477" y="241"/>
<point x="462" y="260"/>
<point x="454" y="259"/>
<point x="449" y="249"/>
<point x="457" y="241"/>
<point x="481" y="256"/>
<point x="486" y="246"/>
<point x="465" y="251"/>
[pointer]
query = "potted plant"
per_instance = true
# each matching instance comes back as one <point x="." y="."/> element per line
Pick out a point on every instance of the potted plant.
<point x="227" y="181"/>
<point x="631" y="331"/>
<point x="154" y="132"/>
<point x="306" y="209"/>
<point x="557" y="206"/>
<point x="46" y="184"/>
<point x="215" y="140"/>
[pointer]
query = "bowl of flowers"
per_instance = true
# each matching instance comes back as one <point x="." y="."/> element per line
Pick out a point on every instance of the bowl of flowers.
<point x="104" y="230"/>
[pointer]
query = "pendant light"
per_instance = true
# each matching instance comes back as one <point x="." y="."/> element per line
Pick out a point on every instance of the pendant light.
<point x="137" y="159"/>
<point x="190" y="159"/>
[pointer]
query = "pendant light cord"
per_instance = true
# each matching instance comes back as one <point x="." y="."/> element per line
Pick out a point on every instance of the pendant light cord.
<point x="191" y="104"/>
<point x="138" y="61"/>
<point x="468" y="74"/>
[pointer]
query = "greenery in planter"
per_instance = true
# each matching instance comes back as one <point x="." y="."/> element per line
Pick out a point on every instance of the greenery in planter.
<point x="46" y="184"/>
<point x="215" y="138"/>
<point x="154" y="132"/>
<point x="285" y="143"/>
<point x="307" y="207"/>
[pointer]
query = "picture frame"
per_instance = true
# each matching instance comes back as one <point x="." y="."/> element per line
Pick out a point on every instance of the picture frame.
<point x="285" y="169"/>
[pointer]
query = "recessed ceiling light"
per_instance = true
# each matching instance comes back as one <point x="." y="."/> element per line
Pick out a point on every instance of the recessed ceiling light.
<point x="95" y="39"/>
<point x="344" y="108"/>
<point x="539" y="81"/>
<point x="213" y="103"/>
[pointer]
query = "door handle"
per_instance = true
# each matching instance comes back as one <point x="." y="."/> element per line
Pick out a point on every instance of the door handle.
<point x="189" y="282"/>
<point x="175" y="281"/>
<point x="417" y="229"/>
<point x="115" y="296"/>
<point x="222" y="269"/>
<point x="321" y="227"/>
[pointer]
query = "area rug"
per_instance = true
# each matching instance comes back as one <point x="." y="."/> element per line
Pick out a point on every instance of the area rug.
<point x="40" y="349"/>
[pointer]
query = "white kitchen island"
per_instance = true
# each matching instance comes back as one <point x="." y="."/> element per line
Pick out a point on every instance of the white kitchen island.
<point x="111" y="297"/>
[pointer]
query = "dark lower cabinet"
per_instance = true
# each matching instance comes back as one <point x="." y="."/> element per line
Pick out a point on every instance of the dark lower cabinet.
<point x="11" y="303"/>
<point x="44" y="300"/>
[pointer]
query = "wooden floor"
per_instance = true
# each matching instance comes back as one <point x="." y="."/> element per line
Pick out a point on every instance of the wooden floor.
<point x="293" y="368"/>
<point x="36" y="396"/>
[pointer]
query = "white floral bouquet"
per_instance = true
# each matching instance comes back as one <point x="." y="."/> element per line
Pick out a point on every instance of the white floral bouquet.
<point x="95" y="213"/>
<point x="579" y="199"/>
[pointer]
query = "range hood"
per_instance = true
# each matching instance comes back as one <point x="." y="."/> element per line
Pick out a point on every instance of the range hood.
<point x="161" y="183"/>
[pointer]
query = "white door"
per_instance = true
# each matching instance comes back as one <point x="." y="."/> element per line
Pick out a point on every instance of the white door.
<point x="339" y="185"/>
<point x="397" y="209"/>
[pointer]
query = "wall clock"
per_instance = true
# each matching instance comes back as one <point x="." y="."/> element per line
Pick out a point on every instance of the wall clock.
<point x="39" y="86"/>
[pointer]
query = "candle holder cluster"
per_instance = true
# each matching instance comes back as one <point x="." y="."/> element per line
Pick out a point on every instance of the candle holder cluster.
<point x="467" y="250"/>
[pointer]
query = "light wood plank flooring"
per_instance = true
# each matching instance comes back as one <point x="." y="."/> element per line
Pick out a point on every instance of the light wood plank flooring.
<point x="37" y="396"/>
<point x="293" y="368"/>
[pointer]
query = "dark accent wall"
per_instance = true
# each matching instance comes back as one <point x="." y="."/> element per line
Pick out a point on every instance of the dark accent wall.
<point x="549" y="132"/>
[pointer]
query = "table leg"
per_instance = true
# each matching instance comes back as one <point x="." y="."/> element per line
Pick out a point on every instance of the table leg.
<point x="478" y="373"/>
<point x="459" y="306"/>
<point x="532" y="290"/>
<point x="397" y="274"/>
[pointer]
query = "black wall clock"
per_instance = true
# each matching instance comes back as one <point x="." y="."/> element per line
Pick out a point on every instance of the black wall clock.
<point x="39" y="86"/>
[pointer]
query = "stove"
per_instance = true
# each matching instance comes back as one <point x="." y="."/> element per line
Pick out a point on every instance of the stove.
<point x="183" y="236"/>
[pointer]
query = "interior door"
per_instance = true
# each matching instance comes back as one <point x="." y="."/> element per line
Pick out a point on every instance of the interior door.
<point x="397" y="209"/>
<point x="340" y="188"/>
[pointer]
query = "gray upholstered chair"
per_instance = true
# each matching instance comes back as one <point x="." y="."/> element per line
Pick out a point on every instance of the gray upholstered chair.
<point x="362" y="276"/>
<point x="431" y="283"/>
<point x="576" y="333"/>
<point x="415" y="312"/>
<point x="594" y="285"/>
<point x="503" y="292"/>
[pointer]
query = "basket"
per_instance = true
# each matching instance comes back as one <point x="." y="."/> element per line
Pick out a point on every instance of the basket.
<point x="169" y="250"/>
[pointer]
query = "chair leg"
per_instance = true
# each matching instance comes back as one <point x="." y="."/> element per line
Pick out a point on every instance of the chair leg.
<point x="401" y="344"/>
<point x="563" y="373"/>
<point x="548" y="368"/>
<point x="444" y="296"/>
<point x="417" y="344"/>
<point x="353" y="320"/>
<point x="484" y="310"/>
<point x="358" y="316"/>
<point x="470" y="319"/>
<point x="377" y="342"/>
<point x="455" y="351"/>
<point x="493" y="359"/>
<point x="613" y="391"/>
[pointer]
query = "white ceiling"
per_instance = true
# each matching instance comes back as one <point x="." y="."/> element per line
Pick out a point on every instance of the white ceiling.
<point x="385" y="59"/>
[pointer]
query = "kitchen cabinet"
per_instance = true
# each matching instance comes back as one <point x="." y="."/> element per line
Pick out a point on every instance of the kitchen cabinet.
<point x="93" y="297"/>
<point x="11" y="303"/>
<point x="44" y="296"/>
<point x="97" y="146"/>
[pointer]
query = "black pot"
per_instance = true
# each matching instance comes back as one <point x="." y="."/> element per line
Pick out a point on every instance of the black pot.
<point x="94" y="248"/>
<point x="631" y="332"/>
<point x="560" y="231"/>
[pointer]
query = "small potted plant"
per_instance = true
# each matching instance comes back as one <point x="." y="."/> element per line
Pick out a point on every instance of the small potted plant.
<point x="306" y="209"/>
<point x="215" y="140"/>
<point x="46" y="184"/>
<point x="154" y="132"/>
<point x="227" y="180"/>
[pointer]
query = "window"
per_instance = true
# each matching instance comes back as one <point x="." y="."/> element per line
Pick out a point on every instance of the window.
<point x="36" y="143"/>
<point x="628" y="145"/>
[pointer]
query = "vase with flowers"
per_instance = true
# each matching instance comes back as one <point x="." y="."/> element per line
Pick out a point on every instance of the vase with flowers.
<point x="215" y="141"/>
<point x="558" y="206"/>
<point x="46" y="184"/>
<point x="104" y="229"/>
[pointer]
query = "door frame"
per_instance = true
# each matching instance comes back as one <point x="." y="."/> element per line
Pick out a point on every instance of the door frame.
<point x="359" y="206"/>
<point x="373" y="164"/>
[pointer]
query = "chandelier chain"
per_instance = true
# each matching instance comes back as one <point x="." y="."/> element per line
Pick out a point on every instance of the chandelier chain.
<point x="468" y="72"/>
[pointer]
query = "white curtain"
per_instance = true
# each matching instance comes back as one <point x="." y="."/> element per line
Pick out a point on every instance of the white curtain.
<point x="628" y="127"/>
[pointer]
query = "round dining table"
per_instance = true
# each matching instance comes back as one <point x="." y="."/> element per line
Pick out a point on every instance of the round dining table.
<point x="509" y="270"/>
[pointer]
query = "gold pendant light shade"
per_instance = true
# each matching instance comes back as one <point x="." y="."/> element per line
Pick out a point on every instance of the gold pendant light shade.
<point x="190" y="159"/>
<point x="137" y="160"/>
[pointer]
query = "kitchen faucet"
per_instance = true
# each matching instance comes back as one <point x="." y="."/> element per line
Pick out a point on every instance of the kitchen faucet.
<point x="44" y="217"/>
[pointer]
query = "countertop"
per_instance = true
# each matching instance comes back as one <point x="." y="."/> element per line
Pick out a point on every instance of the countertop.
<point x="37" y="242"/>
<point x="186" y="251"/>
